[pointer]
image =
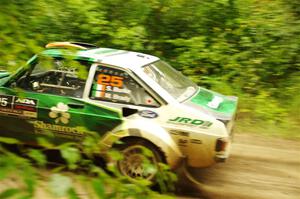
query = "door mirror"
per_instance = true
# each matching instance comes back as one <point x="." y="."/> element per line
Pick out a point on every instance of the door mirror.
<point x="128" y="111"/>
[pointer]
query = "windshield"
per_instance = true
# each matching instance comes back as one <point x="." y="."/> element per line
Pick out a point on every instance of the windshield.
<point x="176" y="84"/>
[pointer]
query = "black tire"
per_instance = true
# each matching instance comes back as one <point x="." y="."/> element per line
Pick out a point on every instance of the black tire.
<point x="135" y="155"/>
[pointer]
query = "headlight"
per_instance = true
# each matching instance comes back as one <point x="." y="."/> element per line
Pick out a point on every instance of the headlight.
<point x="221" y="144"/>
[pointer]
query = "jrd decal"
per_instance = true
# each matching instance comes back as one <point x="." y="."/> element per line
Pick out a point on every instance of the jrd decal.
<point x="191" y="122"/>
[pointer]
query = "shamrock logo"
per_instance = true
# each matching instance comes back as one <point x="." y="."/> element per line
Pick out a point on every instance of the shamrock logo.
<point x="59" y="113"/>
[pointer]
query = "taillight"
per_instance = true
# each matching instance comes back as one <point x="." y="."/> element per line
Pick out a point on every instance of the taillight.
<point x="221" y="144"/>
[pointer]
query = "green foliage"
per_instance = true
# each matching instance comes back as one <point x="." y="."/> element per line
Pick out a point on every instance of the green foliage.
<point x="38" y="157"/>
<point x="8" y="193"/>
<point x="247" y="48"/>
<point x="239" y="47"/>
<point x="20" y="168"/>
<point x="60" y="185"/>
<point x="95" y="182"/>
<point x="71" y="154"/>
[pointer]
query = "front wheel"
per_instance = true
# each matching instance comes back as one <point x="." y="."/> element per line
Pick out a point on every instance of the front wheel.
<point x="140" y="159"/>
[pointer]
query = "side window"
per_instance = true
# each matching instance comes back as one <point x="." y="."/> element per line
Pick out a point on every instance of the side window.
<point x="56" y="76"/>
<point x="116" y="85"/>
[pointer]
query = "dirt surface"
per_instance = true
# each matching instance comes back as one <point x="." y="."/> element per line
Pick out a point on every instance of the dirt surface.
<point x="259" y="168"/>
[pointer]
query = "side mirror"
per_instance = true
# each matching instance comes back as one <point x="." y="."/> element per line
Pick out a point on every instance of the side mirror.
<point x="128" y="111"/>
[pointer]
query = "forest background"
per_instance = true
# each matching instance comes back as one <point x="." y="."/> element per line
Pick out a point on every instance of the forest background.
<point x="247" y="48"/>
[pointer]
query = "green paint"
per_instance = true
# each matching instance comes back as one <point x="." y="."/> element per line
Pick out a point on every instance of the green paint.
<point x="92" y="117"/>
<point x="204" y="97"/>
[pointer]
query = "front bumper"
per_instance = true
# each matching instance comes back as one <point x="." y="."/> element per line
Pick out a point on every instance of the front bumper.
<point x="216" y="150"/>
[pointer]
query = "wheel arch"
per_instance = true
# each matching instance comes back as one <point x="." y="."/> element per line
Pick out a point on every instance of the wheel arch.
<point x="160" y="140"/>
<point x="127" y="139"/>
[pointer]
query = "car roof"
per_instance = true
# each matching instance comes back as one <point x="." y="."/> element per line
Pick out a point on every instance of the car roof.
<point x="120" y="58"/>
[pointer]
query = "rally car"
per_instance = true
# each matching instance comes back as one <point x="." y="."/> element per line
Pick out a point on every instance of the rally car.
<point x="132" y="97"/>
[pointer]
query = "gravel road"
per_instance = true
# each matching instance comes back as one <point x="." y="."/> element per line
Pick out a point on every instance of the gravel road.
<point x="259" y="168"/>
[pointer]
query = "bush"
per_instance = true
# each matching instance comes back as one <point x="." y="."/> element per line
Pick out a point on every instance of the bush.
<point x="71" y="179"/>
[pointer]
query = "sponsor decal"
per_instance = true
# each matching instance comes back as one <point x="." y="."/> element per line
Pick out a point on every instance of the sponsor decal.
<point x="25" y="104"/>
<point x="215" y="102"/>
<point x="110" y="92"/>
<point x="17" y="106"/>
<point x="60" y="113"/>
<point x="148" y="114"/>
<point x="196" y="141"/>
<point x="6" y="101"/>
<point x="26" y="101"/>
<point x="183" y="142"/>
<point x="179" y="133"/>
<point x="112" y="85"/>
<point x="110" y="80"/>
<point x="190" y="122"/>
<point x="60" y="131"/>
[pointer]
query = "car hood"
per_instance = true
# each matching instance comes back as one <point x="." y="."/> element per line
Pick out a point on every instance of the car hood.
<point x="215" y="104"/>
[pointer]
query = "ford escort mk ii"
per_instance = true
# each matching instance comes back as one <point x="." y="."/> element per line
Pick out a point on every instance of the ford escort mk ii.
<point x="72" y="88"/>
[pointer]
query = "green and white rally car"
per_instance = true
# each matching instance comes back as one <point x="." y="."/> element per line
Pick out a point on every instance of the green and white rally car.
<point x="136" y="98"/>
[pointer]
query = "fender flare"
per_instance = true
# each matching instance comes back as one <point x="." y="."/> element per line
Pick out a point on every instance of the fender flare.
<point x="151" y="132"/>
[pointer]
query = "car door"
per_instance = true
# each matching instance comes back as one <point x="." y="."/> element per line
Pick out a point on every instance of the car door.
<point x="56" y="86"/>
